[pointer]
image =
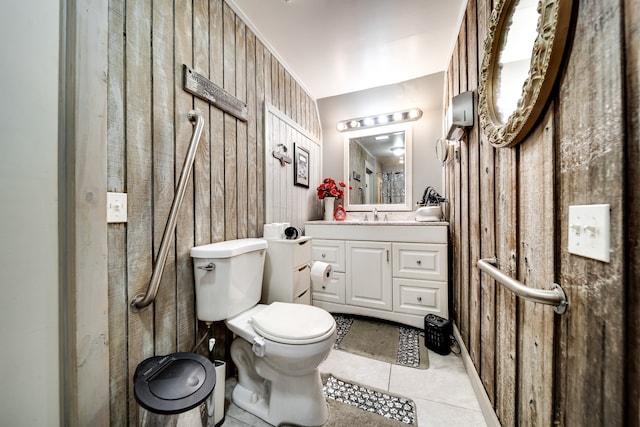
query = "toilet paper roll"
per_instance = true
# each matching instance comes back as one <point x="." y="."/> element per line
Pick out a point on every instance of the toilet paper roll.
<point x="272" y="231"/>
<point x="218" y="391"/>
<point x="282" y="226"/>
<point x="292" y="233"/>
<point x="321" y="273"/>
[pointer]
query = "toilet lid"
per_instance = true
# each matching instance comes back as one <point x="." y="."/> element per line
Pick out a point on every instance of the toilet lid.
<point x="293" y="323"/>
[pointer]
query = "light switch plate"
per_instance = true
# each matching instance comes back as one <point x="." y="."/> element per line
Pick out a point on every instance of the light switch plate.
<point x="589" y="231"/>
<point x="116" y="207"/>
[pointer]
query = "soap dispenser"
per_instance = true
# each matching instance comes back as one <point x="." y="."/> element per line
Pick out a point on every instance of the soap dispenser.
<point x="340" y="214"/>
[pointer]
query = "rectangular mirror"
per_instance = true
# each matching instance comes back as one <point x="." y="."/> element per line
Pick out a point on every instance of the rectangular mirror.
<point x="377" y="167"/>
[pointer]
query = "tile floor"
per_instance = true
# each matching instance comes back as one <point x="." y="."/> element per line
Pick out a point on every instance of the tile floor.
<point x="442" y="393"/>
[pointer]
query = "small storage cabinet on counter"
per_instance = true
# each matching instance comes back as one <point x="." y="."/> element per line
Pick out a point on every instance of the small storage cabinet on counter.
<point x="287" y="273"/>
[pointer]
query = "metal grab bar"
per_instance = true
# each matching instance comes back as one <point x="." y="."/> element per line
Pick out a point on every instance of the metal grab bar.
<point x="554" y="296"/>
<point x="141" y="301"/>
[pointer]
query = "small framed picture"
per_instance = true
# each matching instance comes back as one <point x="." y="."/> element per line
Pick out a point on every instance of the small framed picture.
<point x="300" y="166"/>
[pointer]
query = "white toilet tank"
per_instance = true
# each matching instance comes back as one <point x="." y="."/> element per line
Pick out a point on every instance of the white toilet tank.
<point x="228" y="277"/>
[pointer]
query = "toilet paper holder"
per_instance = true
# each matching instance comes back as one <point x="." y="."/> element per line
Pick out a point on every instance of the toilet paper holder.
<point x="321" y="274"/>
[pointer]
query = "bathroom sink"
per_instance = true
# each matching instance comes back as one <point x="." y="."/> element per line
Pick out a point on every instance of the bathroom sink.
<point x="429" y="213"/>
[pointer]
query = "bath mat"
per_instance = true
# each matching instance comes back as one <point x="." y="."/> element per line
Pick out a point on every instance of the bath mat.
<point x="385" y="341"/>
<point x="356" y="405"/>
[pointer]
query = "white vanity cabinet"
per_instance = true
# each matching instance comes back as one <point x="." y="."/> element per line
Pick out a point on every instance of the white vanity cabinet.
<point x="287" y="272"/>
<point x="392" y="271"/>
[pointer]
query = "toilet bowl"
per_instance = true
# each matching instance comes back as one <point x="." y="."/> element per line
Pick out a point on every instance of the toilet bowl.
<point x="279" y="381"/>
<point x="278" y="346"/>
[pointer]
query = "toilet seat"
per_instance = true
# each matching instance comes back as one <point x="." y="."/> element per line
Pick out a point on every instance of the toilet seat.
<point x="289" y="323"/>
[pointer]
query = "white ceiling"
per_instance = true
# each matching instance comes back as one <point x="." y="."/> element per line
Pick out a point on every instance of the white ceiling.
<point x="340" y="46"/>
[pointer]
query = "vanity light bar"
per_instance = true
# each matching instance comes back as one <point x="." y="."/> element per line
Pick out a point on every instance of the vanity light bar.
<point x="379" y="120"/>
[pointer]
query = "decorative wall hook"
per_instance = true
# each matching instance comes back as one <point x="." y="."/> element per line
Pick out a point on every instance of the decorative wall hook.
<point x="281" y="155"/>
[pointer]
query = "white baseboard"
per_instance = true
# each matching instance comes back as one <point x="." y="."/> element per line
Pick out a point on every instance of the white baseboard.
<point x="483" y="399"/>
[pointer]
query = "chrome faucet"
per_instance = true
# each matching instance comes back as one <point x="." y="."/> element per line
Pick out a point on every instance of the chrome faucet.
<point x="375" y="214"/>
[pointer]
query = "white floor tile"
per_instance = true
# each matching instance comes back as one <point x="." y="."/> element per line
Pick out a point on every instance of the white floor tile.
<point x="347" y="366"/>
<point x="433" y="414"/>
<point x="443" y="394"/>
<point x="445" y="381"/>
<point x="437" y="361"/>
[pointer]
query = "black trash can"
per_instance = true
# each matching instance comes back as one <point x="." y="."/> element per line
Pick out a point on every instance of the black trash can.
<point x="437" y="334"/>
<point x="169" y="387"/>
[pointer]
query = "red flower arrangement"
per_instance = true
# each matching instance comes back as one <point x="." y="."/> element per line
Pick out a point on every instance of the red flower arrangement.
<point x="331" y="188"/>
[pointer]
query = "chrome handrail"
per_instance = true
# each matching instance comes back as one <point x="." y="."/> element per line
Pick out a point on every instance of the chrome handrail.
<point x="141" y="301"/>
<point x="554" y="296"/>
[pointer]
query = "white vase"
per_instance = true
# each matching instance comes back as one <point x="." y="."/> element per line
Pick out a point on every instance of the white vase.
<point x="329" y="206"/>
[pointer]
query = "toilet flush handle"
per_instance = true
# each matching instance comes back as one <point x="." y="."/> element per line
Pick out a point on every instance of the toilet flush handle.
<point x="209" y="267"/>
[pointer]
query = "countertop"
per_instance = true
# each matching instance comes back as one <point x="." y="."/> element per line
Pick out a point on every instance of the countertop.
<point x="361" y="222"/>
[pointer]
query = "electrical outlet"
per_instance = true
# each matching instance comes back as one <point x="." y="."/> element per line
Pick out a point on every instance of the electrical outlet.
<point x="589" y="231"/>
<point x="116" y="207"/>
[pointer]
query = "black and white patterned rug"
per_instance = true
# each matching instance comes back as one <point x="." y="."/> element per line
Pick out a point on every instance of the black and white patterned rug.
<point x="384" y="404"/>
<point x="409" y="349"/>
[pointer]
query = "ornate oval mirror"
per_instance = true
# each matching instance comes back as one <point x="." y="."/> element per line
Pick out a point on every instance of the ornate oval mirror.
<point x="523" y="53"/>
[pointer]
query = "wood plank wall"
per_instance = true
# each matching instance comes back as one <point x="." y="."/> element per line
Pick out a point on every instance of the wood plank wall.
<point x="287" y="202"/>
<point x="539" y="368"/>
<point x="148" y="135"/>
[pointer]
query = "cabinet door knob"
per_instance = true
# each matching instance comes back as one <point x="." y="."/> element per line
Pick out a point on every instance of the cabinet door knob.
<point x="419" y="299"/>
<point x="323" y="255"/>
<point x="419" y="262"/>
<point x="324" y="287"/>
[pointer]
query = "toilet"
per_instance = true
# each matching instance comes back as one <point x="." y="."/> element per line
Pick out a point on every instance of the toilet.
<point x="278" y="346"/>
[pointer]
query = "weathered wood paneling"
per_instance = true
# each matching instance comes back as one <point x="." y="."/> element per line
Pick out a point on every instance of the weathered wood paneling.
<point x="539" y="368"/>
<point x="116" y="233"/>
<point x="463" y="202"/>
<point x="148" y="135"/>
<point x="216" y="122"/>
<point x="536" y="270"/>
<point x="163" y="176"/>
<point x="230" y="128"/>
<point x="252" y="142"/>
<point x="506" y="326"/>
<point x="139" y="239"/>
<point x="185" y="226"/>
<point x="486" y="223"/>
<point x="632" y="64"/>
<point x="242" y="148"/>
<point x="590" y="147"/>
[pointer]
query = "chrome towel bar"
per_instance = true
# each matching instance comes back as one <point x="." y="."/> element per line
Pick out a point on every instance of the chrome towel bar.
<point x="554" y="296"/>
<point x="141" y="301"/>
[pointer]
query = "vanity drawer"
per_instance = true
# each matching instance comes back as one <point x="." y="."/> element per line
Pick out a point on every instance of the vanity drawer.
<point x="331" y="292"/>
<point x="420" y="261"/>
<point x="329" y="251"/>
<point x="420" y="297"/>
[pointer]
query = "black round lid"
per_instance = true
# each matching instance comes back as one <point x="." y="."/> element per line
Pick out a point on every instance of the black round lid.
<point x="174" y="383"/>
